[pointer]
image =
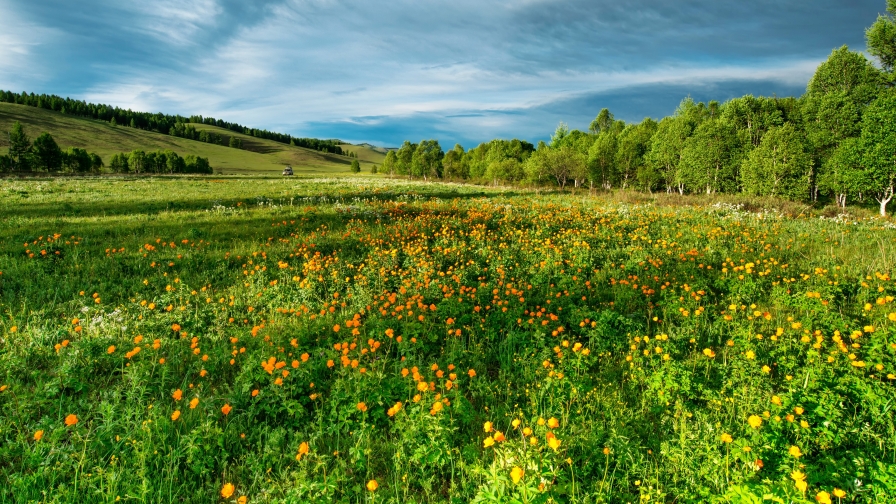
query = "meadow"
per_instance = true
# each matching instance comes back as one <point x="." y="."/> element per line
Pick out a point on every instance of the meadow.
<point x="258" y="156"/>
<point x="361" y="339"/>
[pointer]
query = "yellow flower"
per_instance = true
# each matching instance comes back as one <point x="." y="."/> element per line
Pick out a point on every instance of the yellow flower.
<point x="488" y="441"/>
<point x="726" y="438"/>
<point x="553" y="423"/>
<point x="227" y="490"/>
<point x="516" y="474"/>
<point x="487" y="426"/>
<point x="709" y="353"/>
<point x="839" y="493"/>
<point x="755" y="421"/>
<point x="553" y="442"/>
<point x="795" y="451"/>
<point x="823" y="497"/>
<point x="372" y="485"/>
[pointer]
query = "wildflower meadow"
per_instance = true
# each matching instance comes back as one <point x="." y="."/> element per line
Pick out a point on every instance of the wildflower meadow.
<point x="252" y="340"/>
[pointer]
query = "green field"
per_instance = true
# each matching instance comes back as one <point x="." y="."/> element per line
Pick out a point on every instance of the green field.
<point x="258" y="156"/>
<point x="252" y="339"/>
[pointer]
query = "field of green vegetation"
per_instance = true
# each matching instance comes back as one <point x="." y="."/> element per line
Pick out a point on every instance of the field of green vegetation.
<point x="257" y="156"/>
<point x="248" y="339"/>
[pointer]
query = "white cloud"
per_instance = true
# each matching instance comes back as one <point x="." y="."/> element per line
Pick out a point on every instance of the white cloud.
<point x="172" y="21"/>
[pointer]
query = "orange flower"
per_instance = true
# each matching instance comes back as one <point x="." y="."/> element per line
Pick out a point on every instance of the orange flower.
<point x="226" y="409"/>
<point x="254" y="392"/>
<point x="336" y="328"/>
<point x="372" y="485"/>
<point x="553" y="423"/>
<point x="38" y="435"/>
<point x="472" y="373"/>
<point x="303" y="450"/>
<point x="178" y="394"/>
<point x="111" y="349"/>
<point x="71" y="420"/>
<point x="175" y="415"/>
<point x="194" y="402"/>
<point x="227" y="490"/>
<point x="362" y="406"/>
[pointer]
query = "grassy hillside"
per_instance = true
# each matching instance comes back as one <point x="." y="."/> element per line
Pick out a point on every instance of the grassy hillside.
<point x="365" y="153"/>
<point x="258" y="156"/>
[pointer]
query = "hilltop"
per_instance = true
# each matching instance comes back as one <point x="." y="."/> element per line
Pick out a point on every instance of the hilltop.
<point x="258" y="156"/>
<point x="365" y="152"/>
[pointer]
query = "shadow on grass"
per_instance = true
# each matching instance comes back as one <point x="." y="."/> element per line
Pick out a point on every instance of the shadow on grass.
<point x="300" y="201"/>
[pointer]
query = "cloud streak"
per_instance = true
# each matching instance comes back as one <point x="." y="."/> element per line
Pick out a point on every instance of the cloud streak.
<point x="460" y="71"/>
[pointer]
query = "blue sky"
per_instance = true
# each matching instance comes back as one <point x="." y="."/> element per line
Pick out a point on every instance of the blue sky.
<point x="460" y="70"/>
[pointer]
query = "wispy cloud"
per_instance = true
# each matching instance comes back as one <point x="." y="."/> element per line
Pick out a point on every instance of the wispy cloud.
<point x="172" y="21"/>
<point x="19" y="41"/>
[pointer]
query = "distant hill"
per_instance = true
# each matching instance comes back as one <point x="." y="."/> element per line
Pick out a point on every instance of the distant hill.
<point x="366" y="153"/>
<point x="257" y="156"/>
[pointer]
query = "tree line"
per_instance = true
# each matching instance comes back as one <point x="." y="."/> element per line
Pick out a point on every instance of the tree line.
<point x="836" y="142"/>
<point x="165" y="124"/>
<point x="167" y="161"/>
<point x="45" y="155"/>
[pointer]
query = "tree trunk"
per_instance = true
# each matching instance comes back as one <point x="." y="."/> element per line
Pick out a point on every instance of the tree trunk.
<point x="884" y="200"/>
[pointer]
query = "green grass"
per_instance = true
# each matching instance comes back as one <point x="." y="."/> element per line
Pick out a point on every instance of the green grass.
<point x="259" y="156"/>
<point x="365" y="154"/>
<point x="634" y="336"/>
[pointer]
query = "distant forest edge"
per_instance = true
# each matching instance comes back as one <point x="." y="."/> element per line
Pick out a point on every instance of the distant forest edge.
<point x="165" y="124"/>
<point x="835" y="143"/>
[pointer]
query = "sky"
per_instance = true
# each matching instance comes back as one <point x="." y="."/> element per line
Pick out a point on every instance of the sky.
<point x="460" y="71"/>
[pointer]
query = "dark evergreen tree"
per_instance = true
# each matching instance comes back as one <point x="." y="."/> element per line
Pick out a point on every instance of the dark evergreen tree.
<point x="47" y="155"/>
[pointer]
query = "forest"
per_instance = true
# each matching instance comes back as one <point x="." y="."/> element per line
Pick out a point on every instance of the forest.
<point x="834" y="144"/>
<point x="44" y="155"/>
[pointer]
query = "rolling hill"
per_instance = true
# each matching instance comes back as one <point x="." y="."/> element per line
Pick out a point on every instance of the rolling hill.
<point x="258" y="156"/>
<point x="366" y="153"/>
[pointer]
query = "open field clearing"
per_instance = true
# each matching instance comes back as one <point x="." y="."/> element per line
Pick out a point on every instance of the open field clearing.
<point x="259" y="340"/>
